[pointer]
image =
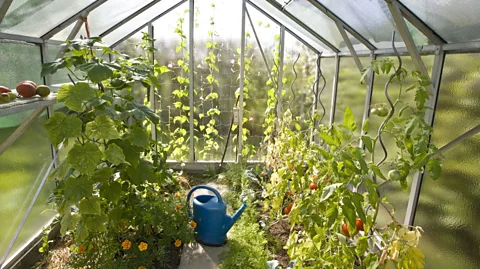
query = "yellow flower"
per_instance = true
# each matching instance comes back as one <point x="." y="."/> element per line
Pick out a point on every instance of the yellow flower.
<point x="177" y="194"/>
<point x="143" y="246"/>
<point x="81" y="249"/>
<point x="193" y="224"/>
<point x="142" y="267"/>
<point x="126" y="244"/>
<point x="178" y="243"/>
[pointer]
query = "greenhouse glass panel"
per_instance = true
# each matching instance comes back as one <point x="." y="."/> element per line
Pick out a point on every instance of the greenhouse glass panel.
<point x="320" y="23"/>
<point x="256" y="78"/>
<point x="284" y="20"/>
<point x="217" y="66"/>
<point x="448" y="208"/>
<point x="24" y="165"/>
<point x="141" y="20"/>
<point x="351" y="93"/>
<point x="20" y="62"/>
<point x="456" y="21"/>
<point x="398" y="196"/>
<point x="63" y="35"/>
<point x="35" y="18"/>
<point x="371" y="19"/>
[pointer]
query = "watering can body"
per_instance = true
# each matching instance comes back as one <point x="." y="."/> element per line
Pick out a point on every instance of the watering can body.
<point x="210" y="214"/>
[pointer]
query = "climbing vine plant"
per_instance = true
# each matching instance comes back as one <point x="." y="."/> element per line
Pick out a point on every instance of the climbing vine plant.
<point x="179" y="135"/>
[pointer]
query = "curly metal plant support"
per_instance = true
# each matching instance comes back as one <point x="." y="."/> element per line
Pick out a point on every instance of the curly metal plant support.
<point x="392" y="111"/>
<point x="293" y="81"/>
<point x="319" y="93"/>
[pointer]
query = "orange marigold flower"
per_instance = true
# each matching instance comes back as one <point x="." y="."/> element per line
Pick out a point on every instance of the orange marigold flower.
<point x="142" y="267"/>
<point x="126" y="244"/>
<point x="178" y="243"/>
<point x="143" y="246"/>
<point x="178" y="207"/>
<point x="193" y="224"/>
<point x="177" y="194"/>
<point x="81" y="249"/>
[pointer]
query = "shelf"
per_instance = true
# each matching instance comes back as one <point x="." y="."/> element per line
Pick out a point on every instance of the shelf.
<point x="21" y="104"/>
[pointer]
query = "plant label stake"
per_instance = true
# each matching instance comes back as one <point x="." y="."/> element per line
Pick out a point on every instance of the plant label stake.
<point x="210" y="214"/>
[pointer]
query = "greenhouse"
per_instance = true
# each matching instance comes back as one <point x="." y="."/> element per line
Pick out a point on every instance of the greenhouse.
<point x="239" y="134"/>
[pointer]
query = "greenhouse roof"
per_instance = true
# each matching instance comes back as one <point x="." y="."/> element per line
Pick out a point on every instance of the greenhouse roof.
<point x="326" y="25"/>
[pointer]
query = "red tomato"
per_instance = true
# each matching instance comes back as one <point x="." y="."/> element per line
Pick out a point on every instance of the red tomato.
<point x="345" y="230"/>
<point x="287" y="209"/>
<point x="313" y="186"/>
<point x="359" y="224"/>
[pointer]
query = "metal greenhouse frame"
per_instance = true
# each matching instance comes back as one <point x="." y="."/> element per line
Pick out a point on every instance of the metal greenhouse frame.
<point x="289" y="23"/>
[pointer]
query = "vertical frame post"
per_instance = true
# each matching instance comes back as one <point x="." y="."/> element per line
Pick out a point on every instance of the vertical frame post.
<point x="429" y="118"/>
<point x="151" y="96"/>
<point x="334" y="90"/>
<point x="280" y="71"/>
<point x="191" y="64"/>
<point x="242" y="83"/>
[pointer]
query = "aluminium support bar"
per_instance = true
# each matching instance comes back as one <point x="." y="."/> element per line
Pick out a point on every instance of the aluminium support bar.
<point x="408" y="39"/>
<point x="352" y="50"/>
<point x="286" y="28"/>
<point x="475" y="130"/>
<point x="72" y="19"/>
<point x="280" y="71"/>
<point x="334" y="90"/>
<point x="76" y="28"/>
<point x="129" y="18"/>
<point x="337" y="20"/>
<point x="277" y="6"/>
<point x="191" y="85"/>
<point x="4" y="8"/>
<point x="151" y="96"/>
<point x="429" y="118"/>
<point x="127" y="36"/>
<point x="421" y="25"/>
<point x="242" y="83"/>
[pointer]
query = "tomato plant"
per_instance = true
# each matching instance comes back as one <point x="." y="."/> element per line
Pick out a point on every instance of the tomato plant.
<point x="339" y="222"/>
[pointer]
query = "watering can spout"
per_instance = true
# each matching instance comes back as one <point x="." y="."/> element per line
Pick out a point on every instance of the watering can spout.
<point x="234" y="218"/>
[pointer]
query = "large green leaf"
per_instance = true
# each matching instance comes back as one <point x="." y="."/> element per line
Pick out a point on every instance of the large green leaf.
<point x="132" y="154"/>
<point x="68" y="222"/>
<point x="81" y="232"/>
<point x="114" y="154"/>
<point x="140" y="111"/>
<point x="142" y="173"/>
<point x="434" y="168"/>
<point x="102" y="128"/>
<point x="97" y="72"/>
<point x="77" y="188"/>
<point x="90" y="205"/>
<point x="102" y="174"/>
<point x="96" y="223"/>
<point x="75" y="95"/>
<point x="61" y="126"/>
<point x="111" y="191"/>
<point x="138" y="136"/>
<point x="84" y="158"/>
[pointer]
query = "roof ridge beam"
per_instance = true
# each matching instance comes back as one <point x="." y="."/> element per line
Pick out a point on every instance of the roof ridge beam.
<point x="277" y="6"/>
<point x="72" y="19"/>
<point x="420" y="24"/>
<point x="345" y="25"/>
<point x="129" y="18"/>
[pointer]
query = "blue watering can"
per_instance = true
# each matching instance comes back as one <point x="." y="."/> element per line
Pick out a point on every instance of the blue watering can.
<point x="210" y="214"/>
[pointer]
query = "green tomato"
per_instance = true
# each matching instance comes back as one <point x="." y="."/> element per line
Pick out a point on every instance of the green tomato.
<point x="394" y="175"/>
<point x="374" y="111"/>
<point x="4" y="98"/>
<point x="382" y="112"/>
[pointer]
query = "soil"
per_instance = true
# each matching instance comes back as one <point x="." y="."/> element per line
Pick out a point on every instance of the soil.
<point x="280" y="231"/>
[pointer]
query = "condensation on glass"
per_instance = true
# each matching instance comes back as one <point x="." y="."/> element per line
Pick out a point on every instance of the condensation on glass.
<point x="20" y="62"/>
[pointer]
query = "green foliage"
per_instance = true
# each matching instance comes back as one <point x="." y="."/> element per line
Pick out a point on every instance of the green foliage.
<point x="114" y="184"/>
<point x="349" y="187"/>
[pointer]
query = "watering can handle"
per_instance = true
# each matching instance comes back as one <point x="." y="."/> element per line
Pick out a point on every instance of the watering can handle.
<point x="219" y="197"/>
